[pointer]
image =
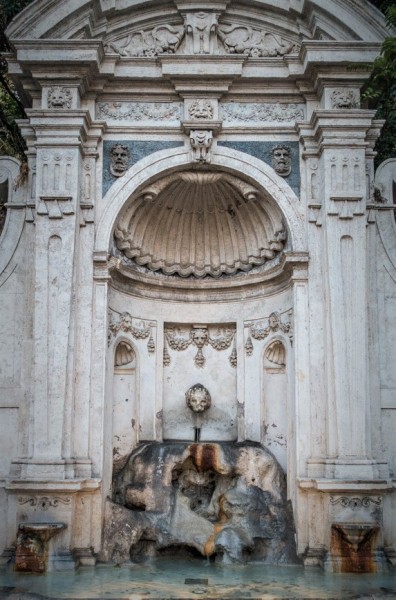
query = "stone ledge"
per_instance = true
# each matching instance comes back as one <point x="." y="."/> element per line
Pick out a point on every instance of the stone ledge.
<point x="69" y="486"/>
<point x="343" y="485"/>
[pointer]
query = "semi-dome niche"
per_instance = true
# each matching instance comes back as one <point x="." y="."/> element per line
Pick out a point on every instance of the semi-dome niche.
<point x="197" y="223"/>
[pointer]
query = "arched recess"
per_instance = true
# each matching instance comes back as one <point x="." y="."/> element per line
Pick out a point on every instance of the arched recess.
<point x="276" y="365"/>
<point x="15" y="217"/>
<point x="153" y="168"/>
<point x="166" y="161"/>
<point x="123" y="405"/>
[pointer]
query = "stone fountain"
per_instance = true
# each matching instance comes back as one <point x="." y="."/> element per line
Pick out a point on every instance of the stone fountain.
<point x="216" y="499"/>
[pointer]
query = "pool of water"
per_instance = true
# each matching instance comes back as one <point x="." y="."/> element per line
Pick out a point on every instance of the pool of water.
<point x="178" y="579"/>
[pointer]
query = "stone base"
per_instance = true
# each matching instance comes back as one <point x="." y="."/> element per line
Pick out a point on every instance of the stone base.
<point x="84" y="557"/>
<point x="314" y="557"/>
<point x="390" y="554"/>
<point x="7" y="556"/>
<point x="62" y="561"/>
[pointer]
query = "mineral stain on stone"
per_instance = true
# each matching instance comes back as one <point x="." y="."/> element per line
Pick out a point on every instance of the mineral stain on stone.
<point x="353" y="544"/>
<point x="226" y="500"/>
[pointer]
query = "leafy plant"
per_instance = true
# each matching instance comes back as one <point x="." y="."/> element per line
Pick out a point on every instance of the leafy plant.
<point x="11" y="107"/>
<point x="379" y="91"/>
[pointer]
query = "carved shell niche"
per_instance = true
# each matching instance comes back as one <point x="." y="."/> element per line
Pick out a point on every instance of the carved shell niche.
<point x="276" y="353"/>
<point x="124" y="355"/>
<point x="200" y="223"/>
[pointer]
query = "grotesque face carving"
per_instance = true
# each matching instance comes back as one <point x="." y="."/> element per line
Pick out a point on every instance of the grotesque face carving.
<point x="119" y="160"/>
<point x="59" y="97"/>
<point x="198" y="398"/>
<point x="343" y="99"/>
<point x="126" y="321"/>
<point x="281" y="160"/>
<point x="274" y="320"/>
<point x="201" y="109"/>
<point x="200" y="337"/>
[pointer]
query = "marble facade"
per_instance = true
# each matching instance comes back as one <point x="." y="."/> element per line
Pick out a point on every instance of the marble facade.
<point x="201" y="207"/>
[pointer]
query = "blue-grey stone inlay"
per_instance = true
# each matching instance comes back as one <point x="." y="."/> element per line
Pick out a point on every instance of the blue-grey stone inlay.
<point x="137" y="150"/>
<point x="263" y="151"/>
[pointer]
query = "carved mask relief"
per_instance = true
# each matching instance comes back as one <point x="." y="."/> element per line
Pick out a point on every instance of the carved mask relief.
<point x="59" y="97"/>
<point x="119" y="155"/>
<point x="198" y="398"/>
<point x="344" y="99"/>
<point x="281" y="160"/>
<point x="201" y="109"/>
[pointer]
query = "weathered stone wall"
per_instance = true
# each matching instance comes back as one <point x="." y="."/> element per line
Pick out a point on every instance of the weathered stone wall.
<point x="110" y="312"/>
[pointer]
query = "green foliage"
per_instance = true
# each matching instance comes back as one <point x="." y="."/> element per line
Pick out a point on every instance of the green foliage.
<point x="11" y="107"/>
<point x="380" y="90"/>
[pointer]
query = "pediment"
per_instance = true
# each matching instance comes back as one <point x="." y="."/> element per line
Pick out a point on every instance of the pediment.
<point x="146" y="27"/>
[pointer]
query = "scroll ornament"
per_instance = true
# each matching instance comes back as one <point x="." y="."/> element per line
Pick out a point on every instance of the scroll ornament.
<point x="202" y="34"/>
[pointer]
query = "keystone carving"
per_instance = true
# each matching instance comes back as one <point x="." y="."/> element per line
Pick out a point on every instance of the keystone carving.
<point x="201" y="30"/>
<point x="59" y="97"/>
<point x="199" y="337"/>
<point x="201" y="109"/>
<point x="201" y="143"/>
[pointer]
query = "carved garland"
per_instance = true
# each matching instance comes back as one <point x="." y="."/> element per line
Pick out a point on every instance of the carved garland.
<point x="199" y="337"/>
<point x="139" y="111"/>
<point x="138" y="329"/>
<point x="259" y="331"/>
<point x="261" y="112"/>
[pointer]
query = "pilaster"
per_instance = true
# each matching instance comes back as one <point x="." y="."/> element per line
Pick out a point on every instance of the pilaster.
<point x="57" y="220"/>
<point x="336" y="140"/>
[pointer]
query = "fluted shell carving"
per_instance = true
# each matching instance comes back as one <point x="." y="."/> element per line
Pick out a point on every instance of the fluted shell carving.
<point x="198" y="224"/>
<point x="124" y="355"/>
<point x="276" y="353"/>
